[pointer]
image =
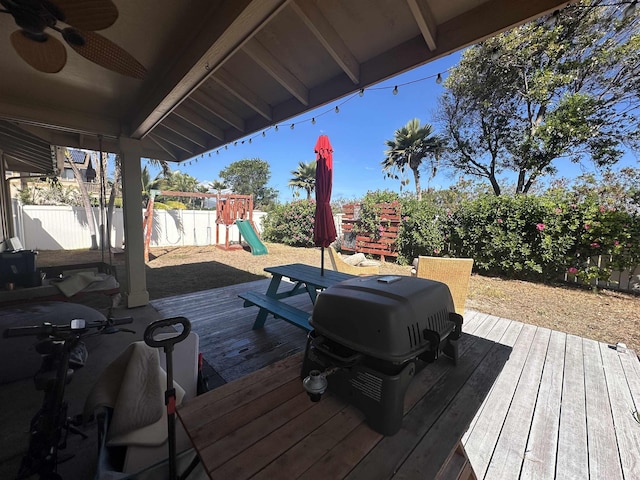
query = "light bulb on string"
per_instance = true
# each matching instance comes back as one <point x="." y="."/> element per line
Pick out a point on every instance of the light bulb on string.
<point x="337" y="109"/>
<point x="439" y="79"/>
<point x="361" y="93"/>
<point x="395" y="90"/>
<point x="235" y="144"/>
<point x="226" y="147"/>
<point x="552" y="20"/>
<point x="313" y="121"/>
<point x="264" y="134"/>
<point x="249" y="140"/>
<point x="630" y="10"/>
<point x="276" y="128"/>
<point x="218" y="152"/>
<point x="292" y="126"/>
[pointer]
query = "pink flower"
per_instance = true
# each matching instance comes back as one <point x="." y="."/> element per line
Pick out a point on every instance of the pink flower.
<point x="602" y="209"/>
<point x="616" y="243"/>
<point x="499" y="220"/>
<point x="587" y="226"/>
<point x="572" y="270"/>
<point x="595" y="244"/>
<point x="558" y="211"/>
<point x="540" y="226"/>
<point x="436" y="251"/>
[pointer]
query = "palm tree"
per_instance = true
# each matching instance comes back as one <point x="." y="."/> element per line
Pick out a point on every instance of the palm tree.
<point x="304" y="178"/>
<point x="148" y="184"/>
<point x="410" y="146"/>
<point x="217" y="186"/>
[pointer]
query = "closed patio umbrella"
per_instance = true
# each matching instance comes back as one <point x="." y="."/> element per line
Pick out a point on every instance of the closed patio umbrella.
<point x="324" y="230"/>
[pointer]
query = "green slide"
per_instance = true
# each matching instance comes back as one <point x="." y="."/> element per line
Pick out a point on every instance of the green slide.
<point x="251" y="237"/>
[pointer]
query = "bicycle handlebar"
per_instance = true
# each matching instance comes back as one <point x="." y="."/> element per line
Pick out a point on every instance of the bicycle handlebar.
<point x="48" y="329"/>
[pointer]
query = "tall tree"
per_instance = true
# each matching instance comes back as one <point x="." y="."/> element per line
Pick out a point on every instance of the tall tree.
<point x="250" y="177"/>
<point x="304" y="178"/>
<point x="539" y="93"/>
<point x="411" y="145"/>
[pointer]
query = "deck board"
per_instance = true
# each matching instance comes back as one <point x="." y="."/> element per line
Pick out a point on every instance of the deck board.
<point x="561" y="407"/>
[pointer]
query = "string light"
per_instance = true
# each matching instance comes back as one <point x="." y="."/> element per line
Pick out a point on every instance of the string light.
<point x="336" y="109"/>
<point x="630" y="10"/>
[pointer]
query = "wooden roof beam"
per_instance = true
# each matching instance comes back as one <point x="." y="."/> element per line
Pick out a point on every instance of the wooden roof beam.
<point x="424" y="18"/>
<point x="174" y="139"/>
<point x="164" y="146"/>
<point x="243" y="93"/>
<point x="194" y="118"/>
<point x="273" y="67"/>
<point x="176" y="124"/>
<point x="217" y="109"/>
<point x="318" y="24"/>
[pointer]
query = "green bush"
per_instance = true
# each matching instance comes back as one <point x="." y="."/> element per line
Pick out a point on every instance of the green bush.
<point x="424" y="230"/>
<point x="290" y="223"/>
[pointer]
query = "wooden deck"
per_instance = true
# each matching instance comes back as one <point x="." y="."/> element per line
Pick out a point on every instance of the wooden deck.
<point x="562" y="407"/>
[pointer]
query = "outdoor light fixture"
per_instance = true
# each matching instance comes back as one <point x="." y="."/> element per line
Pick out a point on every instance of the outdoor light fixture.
<point x="276" y="128"/>
<point x="90" y="174"/>
<point x="292" y="126"/>
<point x="439" y="79"/>
<point x="313" y="121"/>
<point x="264" y="134"/>
<point x="361" y="93"/>
<point x="337" y="109"/>
<point x="395" y="90"/>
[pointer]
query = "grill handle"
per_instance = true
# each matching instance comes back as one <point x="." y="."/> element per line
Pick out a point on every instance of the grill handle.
<point x="318" y="343"/>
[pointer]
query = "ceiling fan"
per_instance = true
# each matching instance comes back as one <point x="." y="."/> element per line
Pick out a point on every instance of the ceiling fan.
<point x="47" y="54"/>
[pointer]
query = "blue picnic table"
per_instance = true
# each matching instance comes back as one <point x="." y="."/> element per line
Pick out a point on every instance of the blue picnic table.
<point x="305" y="279"/>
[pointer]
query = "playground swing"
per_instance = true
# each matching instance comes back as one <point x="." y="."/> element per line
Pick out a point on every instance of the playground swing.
<point x="231" y="209"/>
<point x="237" y="210"/>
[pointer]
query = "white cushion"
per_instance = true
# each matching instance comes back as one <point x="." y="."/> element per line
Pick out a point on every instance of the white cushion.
<point x="355" y="259"/>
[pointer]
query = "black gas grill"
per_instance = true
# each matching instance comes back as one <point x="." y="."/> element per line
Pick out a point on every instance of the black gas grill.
<point x="371" y="334"/>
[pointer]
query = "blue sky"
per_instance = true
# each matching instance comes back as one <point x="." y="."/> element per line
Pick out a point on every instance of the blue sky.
<point x="357" y="134"/>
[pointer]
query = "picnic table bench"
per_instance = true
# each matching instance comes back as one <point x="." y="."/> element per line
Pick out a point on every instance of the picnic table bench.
<point x="306" y="279"/>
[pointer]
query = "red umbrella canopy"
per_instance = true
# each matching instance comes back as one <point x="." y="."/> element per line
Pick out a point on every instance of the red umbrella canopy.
<point x="324" y="231"/>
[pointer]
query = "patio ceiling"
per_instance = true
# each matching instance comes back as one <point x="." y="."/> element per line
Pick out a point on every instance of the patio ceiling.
<point x="219" y="70"/>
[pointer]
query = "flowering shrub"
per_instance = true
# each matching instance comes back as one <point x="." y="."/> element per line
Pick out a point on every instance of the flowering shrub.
<point x="370" y="221"/>
<point x="424" y="230"/>
<point x="291" y="224"/>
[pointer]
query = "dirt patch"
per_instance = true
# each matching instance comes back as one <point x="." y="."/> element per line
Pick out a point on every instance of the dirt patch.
<point x="606" y="316"/>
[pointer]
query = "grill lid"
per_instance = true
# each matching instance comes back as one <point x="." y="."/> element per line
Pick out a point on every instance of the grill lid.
<point x="393" y="318"/>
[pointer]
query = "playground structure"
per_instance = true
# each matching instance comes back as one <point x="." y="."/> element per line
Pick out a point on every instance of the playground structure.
<point x="231" y="209"/>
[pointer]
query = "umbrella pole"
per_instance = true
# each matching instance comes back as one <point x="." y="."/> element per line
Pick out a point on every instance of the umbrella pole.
<point x="322" y="261"/>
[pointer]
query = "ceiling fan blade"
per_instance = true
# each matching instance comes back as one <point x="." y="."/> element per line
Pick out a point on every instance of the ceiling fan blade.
<point x="88" y="14"/>
<point x="46" y="55"/>
<point x="108" y="55"/>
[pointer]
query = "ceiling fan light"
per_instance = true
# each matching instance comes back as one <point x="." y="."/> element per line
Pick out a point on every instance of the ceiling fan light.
<point x="73" y="37"/>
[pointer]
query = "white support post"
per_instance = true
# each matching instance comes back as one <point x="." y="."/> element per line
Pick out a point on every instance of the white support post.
<point x="136" y="294"/>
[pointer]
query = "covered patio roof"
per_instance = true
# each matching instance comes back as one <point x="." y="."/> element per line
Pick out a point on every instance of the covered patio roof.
<point x="220" y="70"/>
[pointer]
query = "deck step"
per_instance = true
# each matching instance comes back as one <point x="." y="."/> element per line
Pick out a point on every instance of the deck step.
<point x="278" y="309"/>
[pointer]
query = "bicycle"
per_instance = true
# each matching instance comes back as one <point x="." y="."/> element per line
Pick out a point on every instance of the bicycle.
<point x="62" y="352"/>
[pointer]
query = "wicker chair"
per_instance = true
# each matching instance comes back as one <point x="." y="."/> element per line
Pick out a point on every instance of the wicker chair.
<point x="339" y="265"/>
<point x="454" y="272"/>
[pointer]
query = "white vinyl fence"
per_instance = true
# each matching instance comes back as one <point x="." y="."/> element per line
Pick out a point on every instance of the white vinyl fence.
<point x="66" y="228"/>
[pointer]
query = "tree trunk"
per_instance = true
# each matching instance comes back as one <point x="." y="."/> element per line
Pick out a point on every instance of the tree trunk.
<point x="86" y="202"/>
<point x="416" y="178"/>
